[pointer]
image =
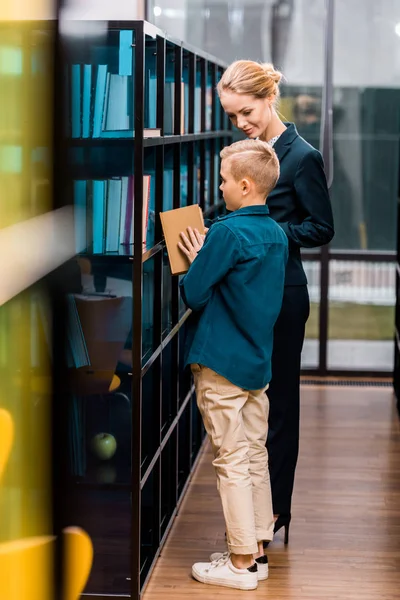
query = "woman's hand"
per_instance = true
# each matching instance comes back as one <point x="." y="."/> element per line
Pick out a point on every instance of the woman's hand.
<point x="191" y="245"/>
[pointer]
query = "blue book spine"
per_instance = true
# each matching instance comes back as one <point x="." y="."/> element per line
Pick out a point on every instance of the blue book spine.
<point x="151" y="101"/>
<point x="168" y="199"/>
<point x="87" y="84"/>
<point x="98" y="216"/>
<point x="114" y="189"/>
<point x="99" y="100"/>
<point x="125" y="52"/>
<point x="76" y="101"/>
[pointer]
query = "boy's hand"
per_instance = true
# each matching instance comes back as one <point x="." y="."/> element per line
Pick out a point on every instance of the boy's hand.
<point x="192" y="244"/>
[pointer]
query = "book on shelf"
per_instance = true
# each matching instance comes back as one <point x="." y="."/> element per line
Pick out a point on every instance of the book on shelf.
<point x="128" y="217"/>
<point x="149" y="132"/>
<point x="197" y="109"/>
<point x="184" y="107"/>
<point x="173" y="223"/>
<point x="104" y="213"/>
<point x="100" y="102"/>
<point x="150" y="107"/>
<point x="169" y="107"/>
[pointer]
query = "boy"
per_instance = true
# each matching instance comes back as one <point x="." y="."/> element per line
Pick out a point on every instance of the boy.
<point x="234" y="287"/>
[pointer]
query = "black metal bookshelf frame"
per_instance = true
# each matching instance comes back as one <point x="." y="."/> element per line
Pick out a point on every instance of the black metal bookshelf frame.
<point x="175" y="426"/>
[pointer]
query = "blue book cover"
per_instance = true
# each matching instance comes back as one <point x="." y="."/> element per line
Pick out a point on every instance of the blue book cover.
<point x="114" y="190"/>
<point x="168" y="196"/>
<point x="124" y="199"/>
<point x="197" y="110"/>
<point x="98" y="207"/>
<point x="151" y="100"/>
<point x="116" y="115"/>
<point x="99" y="100"/>
<point x="125" y="52"/>
<point x="87" y="85"/>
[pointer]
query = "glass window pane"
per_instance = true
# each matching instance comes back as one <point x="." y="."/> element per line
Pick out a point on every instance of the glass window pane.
<point x="361" y="315"/>
<point x="366" y="125"/>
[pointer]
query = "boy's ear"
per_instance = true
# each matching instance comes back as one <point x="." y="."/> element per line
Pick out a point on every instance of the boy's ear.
<point x="245" y="186"/>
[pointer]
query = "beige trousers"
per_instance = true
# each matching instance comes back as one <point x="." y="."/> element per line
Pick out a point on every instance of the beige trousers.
<point x="236" y="421"/>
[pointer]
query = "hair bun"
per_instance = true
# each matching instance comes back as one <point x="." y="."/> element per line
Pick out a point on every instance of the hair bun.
<point x="271" y="72"/>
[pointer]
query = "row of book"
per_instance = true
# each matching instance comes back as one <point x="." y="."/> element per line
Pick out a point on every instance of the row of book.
<point x="101" y="104"/>
<point x="100" y="98"/>
<point x="104" y="208"/>
<point x="104" y="214"/>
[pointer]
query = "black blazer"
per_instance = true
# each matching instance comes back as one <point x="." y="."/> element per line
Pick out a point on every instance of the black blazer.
<point x="300" y="201"/>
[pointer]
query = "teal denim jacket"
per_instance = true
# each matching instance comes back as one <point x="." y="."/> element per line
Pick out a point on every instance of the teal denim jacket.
<point x="234" y="288"/>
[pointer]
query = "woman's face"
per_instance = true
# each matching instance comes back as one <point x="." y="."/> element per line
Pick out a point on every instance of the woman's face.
<point x="249" y="114"/>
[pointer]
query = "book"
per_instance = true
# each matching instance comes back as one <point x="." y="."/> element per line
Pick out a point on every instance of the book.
<point x="113" y="207"/>
<point x="173" y="223"/>
<point x="151" y="132"/>
<point x="87" y="84"/>
<point x="148" y="132"/>
<point x="99" y="100"/>
<point x="98" y="215"/>
<point x="128" y="208"/>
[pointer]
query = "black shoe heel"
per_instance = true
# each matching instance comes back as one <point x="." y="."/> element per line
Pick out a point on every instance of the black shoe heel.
<point x="283" y="521"/>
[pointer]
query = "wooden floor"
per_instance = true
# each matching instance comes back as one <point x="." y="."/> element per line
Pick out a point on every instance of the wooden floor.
<point x="345" y="533"/>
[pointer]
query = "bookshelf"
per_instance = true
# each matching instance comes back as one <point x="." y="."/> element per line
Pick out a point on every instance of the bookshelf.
<point x="124" y="325"/>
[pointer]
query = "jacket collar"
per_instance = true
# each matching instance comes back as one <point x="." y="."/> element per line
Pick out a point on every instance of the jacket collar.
<point x="247" y="210"/>
<point x="285" y="140"/>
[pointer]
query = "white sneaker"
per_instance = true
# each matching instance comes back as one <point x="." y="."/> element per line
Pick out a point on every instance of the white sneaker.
<point x="262" y="564"/>
<point x="223" y="572"/>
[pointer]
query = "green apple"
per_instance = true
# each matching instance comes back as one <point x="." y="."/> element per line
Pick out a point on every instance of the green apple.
<point x="104" y="446"/>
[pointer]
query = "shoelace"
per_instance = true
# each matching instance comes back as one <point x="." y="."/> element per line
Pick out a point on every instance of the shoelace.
<point x="218" y="562"/>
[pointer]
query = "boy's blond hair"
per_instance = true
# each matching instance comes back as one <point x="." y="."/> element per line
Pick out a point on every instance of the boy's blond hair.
<point x="255" y="160"/>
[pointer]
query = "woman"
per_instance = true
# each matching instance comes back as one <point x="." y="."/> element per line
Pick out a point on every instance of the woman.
<point x="300" y="203"/>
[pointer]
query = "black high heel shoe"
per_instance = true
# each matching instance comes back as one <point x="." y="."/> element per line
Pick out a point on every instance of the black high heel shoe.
<point x="282" y="521"/>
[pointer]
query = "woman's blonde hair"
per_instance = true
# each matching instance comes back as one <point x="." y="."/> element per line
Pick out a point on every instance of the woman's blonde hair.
<point x="251" y="78"/>
<point x="255" y="160"/>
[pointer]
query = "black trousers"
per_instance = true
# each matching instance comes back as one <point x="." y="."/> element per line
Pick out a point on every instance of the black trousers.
<point x="284" y="395"/>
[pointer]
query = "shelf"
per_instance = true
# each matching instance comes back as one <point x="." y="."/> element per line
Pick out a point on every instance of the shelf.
<point x="148" y="142"/>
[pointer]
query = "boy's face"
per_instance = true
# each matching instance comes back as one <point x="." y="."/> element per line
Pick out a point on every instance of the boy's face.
<point x="230" y="188"/>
